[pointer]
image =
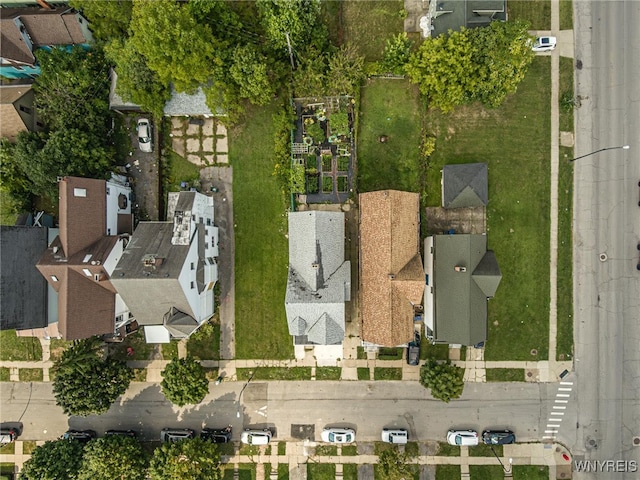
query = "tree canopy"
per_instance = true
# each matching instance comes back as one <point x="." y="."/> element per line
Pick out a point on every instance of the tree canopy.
<point x="194" y="459"/>
<point x="295" y="18"/>
<point x="107" y="18"/>
<point x="54" y="460"/>
<point x="184" y="381"/>
<point x="86" y="382"/>
<point x="483" y="64"/>
<point x="394" y="465"/>
<point x="114" y="457"/>
<point x="444" y="379"/>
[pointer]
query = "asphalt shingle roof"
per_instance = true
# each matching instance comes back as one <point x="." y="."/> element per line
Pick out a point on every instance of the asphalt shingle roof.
<point x="465" y="185"/>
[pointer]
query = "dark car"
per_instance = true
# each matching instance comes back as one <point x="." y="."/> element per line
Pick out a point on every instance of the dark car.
<point x="413" y="350"/>
<point x="498" y="437"/>
<point x="216" y="435"/>
<point x="82" y="436"/>
<point x="176" y="434"/>
<point x="124" y="433"/>
<point x="8" y="435"/>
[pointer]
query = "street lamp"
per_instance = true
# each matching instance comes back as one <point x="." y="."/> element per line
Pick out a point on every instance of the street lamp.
<point x="500" y="462"/>
<point x="622" y="147"/>
<point x="241" y="391"/>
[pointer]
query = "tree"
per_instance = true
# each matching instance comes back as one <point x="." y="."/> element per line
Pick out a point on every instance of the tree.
<point x="296" y="18"/>
<point x="249" y="72"/>
<point x="114" y="457"/>
<point x="107" y="18"/>
<point x="194" y="459"/>
<point x="444" y="380"/>
<point x="184" y="381"/>
<point x="85" y="381"/>
<point x="13" y="180"/>
<point x="397" y="52"/>
<point x="345" y="70"/>
<point x="55" y="460"/>
<point x="309" y="76"/>
<point x="394" y="465"/>
<point x="176" y="47"/>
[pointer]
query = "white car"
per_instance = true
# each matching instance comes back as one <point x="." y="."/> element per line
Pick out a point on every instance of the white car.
<point x="462" y="437"/>
<point x="256" y="437"/>
<point x="399" y="436"/>
<point x="544" y="44"/>
<point x="145" y="140"/>
<point x="338" y="435"/>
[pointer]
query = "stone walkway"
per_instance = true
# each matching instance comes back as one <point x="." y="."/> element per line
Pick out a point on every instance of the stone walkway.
<point x="202" y="142"/>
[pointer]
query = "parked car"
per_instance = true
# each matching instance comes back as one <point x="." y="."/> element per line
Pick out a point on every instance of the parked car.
<point x="82" y="436"/>
<point x="544" y="44"/>
<point x="462" y="437"/>
<point x="8" y="435"/>
<point x="498" y="437"/>
<point x="413" y="350"/>
<point x="145" y="139"/>
<point x="216" y="435"/>
<point x="124" y="433"/>
<point x="338" y="435"/>
<point x="176" y="434"/>
<point x="397" y="436"/>
<point x="256" y="437"/>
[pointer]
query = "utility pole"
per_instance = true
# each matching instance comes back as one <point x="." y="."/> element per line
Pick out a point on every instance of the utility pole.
<point x="290" y="50"/>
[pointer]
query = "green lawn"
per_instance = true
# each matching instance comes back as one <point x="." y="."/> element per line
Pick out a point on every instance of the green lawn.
<point x="205" y="343"/>
<point x="387" y="373"/>
<point x="30" y="374"/>
<point x="486" y="472"/>
<point x="566" y="14"/>
<point x="141" y="349"/>
<point x="5" y="374"/>
<point x="363" y="373"/>
<point x="514" y="141"/>
<point x="326" y="450"/>
<point x="17" y="348"/>
<point x="170" y="350"/>
<point x="448" y="472"/>
<point x="536" y="12"/>
<point x="246" y="471"/>
<point x="505" y="375"/>
<point x="349" y="450"/>
<point x="369" y="24"/>
<point x="439" y="352"/>
<point x="283" y="471"/>
<point x="321" y="471"/>
<point x="391" y="108"/>
<point x="446" y="450"/>
<point x="530" y="472"/>
<point x="483" y="450"/>
<point x="328" y="373"/>
<point x="274" y="373"/>
<point x="179" y="170"/>
<point x="350" y="471"/>
<point x="261" y="258"/>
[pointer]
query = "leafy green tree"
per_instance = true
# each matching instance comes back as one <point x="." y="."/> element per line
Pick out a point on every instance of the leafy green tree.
<point x="114" y="457"/>
<point x="444" y="380"/>
<point x="107" y="18"/>
<point x="13" y="180"/>
<point x="184" y="381"/>
<point x="194" y="459"/>
<point x="249" y="72"/>
<point x="397" y="52"/>
<point x="136" y="81"/>
<point x="85" y="381"/>
<point x="176" y="47"/>
<point x="309" y="76"/>
<point x="297" y="18"/>
<point x="345" y="71"/>
<point x="54" y="460"/>
<point x="394" y="465"/>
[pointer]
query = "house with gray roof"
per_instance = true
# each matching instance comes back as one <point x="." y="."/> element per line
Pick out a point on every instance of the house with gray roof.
<point x="465" y="185"/>
<point x="167" y="273"/>
<point x="319" y="281"/>
<point x="462" y="275"/>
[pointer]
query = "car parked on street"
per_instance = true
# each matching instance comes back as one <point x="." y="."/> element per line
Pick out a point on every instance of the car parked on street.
<point x="176" y="434"/>
<point x="544" y="44"/>
<point x="145" y="138"/>
<point x="338" y="435"/>
<point x="398" y="436"/>
<point x="498" y="437"/>
<point x="216" y="435"/>
<point x="256" y="437"/>
<point x="82" y="436"/>
<point x="8" y="435"/>
<point x="462" y="437"/>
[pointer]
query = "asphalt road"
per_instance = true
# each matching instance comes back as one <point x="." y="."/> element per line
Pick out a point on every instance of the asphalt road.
<point x="606" y="235"/>
<point x="285" y="406"/>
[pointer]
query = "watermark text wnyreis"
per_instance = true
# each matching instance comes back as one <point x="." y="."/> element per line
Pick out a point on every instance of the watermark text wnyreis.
<point x="605" y="466"/>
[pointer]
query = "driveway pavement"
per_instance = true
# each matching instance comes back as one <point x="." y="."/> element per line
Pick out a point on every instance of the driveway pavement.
<point x="143" y="168"/>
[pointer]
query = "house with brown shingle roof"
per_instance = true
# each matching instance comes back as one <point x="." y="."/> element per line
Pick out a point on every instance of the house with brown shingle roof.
<point x="95" y="222"/>
<point x="17" y="111"/>
<point x="24" y="30"/>
<point x="391" y="271"/>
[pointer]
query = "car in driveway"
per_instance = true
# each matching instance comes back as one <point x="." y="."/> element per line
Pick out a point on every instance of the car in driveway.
<point x="176" y="434"/>
<point x="145" y="136"/>
<point x="498" y="437"/>
<point x="82" y="436"/>
<point x="256" y="437"/>
<point x="398" y="436"/>
<point x="413" y="350"/>
<point x="8" y="435"/>
<point x="216" y="435"/>
<point x="544" y="44"/>
<point x="338" y="435"/>
<point x="462" y="437"/>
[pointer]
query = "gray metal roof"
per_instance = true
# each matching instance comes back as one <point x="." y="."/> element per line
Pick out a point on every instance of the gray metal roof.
<point x="465" y="185"/>
<point x="465" y="275"/>
<point x="319" y="280"/>
<point x="179" y="324"/>
<point x="23" y="289"/>
<point x="189" y="104"/>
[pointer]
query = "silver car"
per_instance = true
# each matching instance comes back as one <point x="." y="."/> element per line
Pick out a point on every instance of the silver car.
<point x="145" y="137"/>
<point x="338" y="435"/>
<point x="398" y="436"/>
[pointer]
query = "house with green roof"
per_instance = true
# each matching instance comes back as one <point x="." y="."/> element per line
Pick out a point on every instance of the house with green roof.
<point x="461" y="276"/>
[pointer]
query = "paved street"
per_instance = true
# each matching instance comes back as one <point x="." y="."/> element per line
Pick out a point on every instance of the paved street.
<point x="606" y="233"/>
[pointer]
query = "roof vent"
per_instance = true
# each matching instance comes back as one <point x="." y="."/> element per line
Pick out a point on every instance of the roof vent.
<point x="55" y="249"/>
<point x="458" y="268"/>
<point x="391" y="276"/>
<point x="315" y="265"/>
<point x="152" y="261"/>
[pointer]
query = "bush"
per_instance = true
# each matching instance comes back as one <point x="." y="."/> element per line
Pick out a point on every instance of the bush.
<point x="184" y="382"/>
<point x="444" y="380"/>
